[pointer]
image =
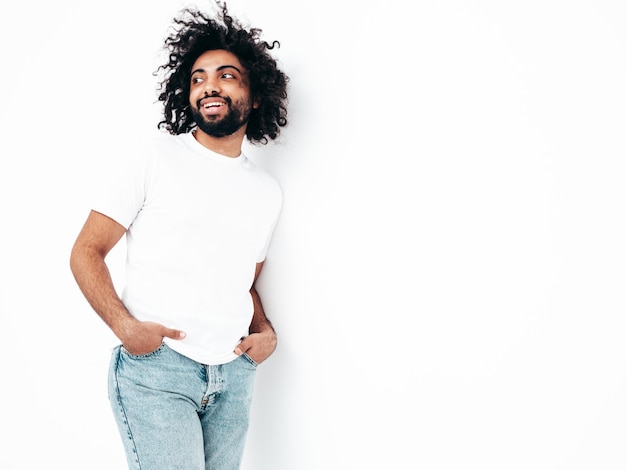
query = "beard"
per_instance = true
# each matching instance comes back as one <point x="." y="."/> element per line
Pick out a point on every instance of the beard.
<point x="237" y="116"/>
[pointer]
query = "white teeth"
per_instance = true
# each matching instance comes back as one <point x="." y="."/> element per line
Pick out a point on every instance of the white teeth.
<point x="212" y="105"/>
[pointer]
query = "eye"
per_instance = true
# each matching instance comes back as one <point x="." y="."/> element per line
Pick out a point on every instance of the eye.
<point x="195" y="80"/>
<point x="228" y="75"/>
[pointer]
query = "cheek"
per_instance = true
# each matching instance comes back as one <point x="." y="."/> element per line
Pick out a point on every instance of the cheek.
<point x="194" y="96"/>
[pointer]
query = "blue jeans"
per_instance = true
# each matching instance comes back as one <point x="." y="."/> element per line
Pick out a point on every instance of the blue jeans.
<point x="175" y="413"/>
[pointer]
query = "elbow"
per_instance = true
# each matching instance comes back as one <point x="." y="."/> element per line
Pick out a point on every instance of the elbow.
<point x="74" y="260"/>
<point x="80" y="257"/>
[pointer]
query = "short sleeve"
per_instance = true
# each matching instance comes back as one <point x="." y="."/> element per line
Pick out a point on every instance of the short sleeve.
<point x="121" y="190"/>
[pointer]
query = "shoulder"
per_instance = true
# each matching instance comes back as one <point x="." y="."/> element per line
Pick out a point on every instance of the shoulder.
<point x="266" y="188"/>
<point x="164" y="143"/>
<point x="264" y="176"/>
<point x="159" y="148"/>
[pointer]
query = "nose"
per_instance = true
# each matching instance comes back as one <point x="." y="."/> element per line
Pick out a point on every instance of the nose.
<point x="211" y="87"/>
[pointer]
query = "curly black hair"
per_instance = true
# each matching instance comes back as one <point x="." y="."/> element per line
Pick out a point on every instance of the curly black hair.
<point x="195" y="33"/>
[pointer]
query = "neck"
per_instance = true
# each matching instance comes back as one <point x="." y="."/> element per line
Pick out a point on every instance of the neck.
<point x="229" y="146"/>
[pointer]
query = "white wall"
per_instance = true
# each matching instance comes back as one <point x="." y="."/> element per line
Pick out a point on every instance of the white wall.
<point x="448" y="275"/>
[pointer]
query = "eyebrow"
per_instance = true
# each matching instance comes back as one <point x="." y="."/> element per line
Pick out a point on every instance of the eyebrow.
<point x="220" y="68"/>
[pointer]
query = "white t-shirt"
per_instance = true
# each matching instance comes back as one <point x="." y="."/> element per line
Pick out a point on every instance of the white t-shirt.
<point x="198" y="222"/>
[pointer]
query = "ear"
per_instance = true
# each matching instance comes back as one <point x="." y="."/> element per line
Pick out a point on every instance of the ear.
<point x="255" y="103"/>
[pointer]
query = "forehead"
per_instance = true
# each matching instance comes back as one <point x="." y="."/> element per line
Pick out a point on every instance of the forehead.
<point x="212" y="60"/>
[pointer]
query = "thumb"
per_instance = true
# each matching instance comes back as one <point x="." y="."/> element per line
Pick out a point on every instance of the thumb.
<point x="243" y="346"/>
<point x="173" y="334"/>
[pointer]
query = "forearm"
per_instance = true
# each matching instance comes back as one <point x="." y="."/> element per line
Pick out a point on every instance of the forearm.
<point x="260" y="322"/>
<point x="261" y="341"/>
<point x="94" y="280"/>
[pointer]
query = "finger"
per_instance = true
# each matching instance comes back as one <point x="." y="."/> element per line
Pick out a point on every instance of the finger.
<point x="243" y="346"/>
<point x="173" y="334"/>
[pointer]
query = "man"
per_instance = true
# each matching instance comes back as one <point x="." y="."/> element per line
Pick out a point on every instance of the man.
<point x="198" y="217"/>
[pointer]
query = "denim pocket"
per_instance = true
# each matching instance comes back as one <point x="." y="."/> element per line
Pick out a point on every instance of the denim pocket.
<point x="157" y="351"/>
<point x="250" y="360"/>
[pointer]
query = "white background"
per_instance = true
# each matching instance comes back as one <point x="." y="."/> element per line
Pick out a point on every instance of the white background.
<point x="447" y="278"/>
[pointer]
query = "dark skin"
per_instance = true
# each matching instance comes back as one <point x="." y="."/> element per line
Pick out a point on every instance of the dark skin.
<point x="214" y="74"/>
<point x="100" y="233"/>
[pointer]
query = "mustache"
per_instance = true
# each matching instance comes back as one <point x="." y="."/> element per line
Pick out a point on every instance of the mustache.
<point x="227" y="99"/>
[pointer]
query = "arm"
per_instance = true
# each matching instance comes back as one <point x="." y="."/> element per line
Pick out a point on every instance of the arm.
<point x="261" y="342"/>
<point x="87" y="262"/>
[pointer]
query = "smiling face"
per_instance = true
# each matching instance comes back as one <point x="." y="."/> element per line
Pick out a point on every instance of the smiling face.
<point x="219" y="94"/>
